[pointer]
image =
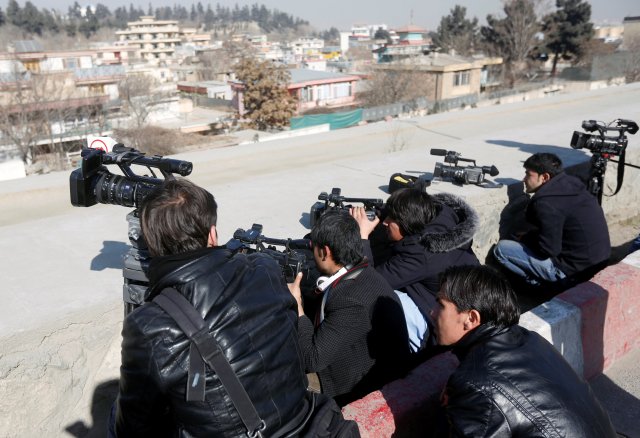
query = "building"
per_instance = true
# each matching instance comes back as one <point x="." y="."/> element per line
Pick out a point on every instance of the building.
<point x="631" y="33"/>
<point x="156" y="40"/>
<point x="449" y="76"/>
<point x="411" y="41"/>
<point x="51" y="97"/>
<point x="312" y="89"/>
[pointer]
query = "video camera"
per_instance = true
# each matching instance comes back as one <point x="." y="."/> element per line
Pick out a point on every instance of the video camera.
<point x="93" y="183"/>
<point x="603" y="148"/>
<point x="472" y="174"/>
<point x="600" y="143"/>
<point x="291" y="258"/>
<point x="335" y="201"/>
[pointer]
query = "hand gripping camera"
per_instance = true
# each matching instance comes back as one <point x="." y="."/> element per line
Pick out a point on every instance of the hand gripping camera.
<point x="457" y="174"/>
<point x="335" y="201"/>
<point x="93" y="183"/>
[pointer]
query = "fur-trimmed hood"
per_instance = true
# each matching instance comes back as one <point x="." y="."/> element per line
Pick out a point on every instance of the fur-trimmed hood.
<point x="453" y="227"/>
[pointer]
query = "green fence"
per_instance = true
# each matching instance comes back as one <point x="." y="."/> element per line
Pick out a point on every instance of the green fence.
<point x="335" y="120"/>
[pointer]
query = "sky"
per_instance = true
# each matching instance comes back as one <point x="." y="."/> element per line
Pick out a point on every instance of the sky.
<point x="323" y="14"/>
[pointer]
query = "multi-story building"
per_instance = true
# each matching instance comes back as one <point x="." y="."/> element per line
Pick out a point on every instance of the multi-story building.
<point x="49" y="97"/>
<point x="156" y="40"/>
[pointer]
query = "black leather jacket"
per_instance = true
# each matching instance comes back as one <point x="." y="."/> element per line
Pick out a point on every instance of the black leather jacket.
<point x="252" y="315"/>
<point x="512" y="382"/>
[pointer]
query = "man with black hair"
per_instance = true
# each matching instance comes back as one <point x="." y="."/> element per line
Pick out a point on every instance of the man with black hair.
<point x="427" y="234"/>
<point x="358" y="341"/>
<point x="510" y="381"/>
<point x="570" y="238"/>
<point x="246" y="307"/>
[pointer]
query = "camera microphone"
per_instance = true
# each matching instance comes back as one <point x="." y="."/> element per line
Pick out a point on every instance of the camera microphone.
<point x="439" y="152"/>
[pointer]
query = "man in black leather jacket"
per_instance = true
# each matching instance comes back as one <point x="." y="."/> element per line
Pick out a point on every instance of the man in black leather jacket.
<point x="510" y="382"/>
<point x="248" y="308"/>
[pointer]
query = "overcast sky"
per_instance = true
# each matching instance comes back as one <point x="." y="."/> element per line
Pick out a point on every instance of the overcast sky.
<point x="342" y="14"/>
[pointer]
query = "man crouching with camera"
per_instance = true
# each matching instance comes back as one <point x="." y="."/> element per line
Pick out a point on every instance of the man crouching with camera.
<point x="358" y="341"/>
<point x="246" y="307"/>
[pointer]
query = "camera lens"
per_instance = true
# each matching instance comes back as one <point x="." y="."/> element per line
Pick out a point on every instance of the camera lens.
<point x="115" y="189"/>
<point x="120" y="190"/>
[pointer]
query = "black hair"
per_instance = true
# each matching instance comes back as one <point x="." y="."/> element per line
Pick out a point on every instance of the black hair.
<point x="412" y="209"/>
<point x="481" y="288"/>
<point x="177" y="217"/>
<point x="341" y="233"/>
<point x="543" y="162"/>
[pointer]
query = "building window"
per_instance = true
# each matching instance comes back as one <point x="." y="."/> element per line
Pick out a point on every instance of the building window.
<point x="461" y="78"/>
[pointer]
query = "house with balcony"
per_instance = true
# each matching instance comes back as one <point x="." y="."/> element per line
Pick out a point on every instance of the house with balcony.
<point x="156" y="40"/>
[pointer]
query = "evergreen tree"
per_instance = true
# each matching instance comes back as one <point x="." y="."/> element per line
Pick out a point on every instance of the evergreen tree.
<point x="568" y="30"/>
<point x="266" y="100"/>
<point x="32" y="19"/>
<point x="14" y="13"/>
<point x="457" y="32"/>
<point x="102" y="12"/>
<point x="2" y="18"/>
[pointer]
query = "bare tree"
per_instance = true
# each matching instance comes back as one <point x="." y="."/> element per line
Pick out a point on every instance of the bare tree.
<point x="397" y="83"/>
<point x="23" y="109"/>
<point x="514" y="36"/>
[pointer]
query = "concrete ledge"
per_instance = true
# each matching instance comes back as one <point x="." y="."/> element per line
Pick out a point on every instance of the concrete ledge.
<point x="609" y="305"/>
<point x="404" y="407"/>
<point x="592" y="325"/>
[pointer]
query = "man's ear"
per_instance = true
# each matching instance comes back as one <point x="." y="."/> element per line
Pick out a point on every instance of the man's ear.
<point x="473" y="320"/>
<point x="545" y="177"/>
<point x="212" y="240"/>
<point x="325" y="252"/>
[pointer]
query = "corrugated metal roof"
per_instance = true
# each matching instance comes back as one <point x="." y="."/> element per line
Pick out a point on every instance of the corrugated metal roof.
<point x="27" y="46"/>
<point x="304" y="75"/>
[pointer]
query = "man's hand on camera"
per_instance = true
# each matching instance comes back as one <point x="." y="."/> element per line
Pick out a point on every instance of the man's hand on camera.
<point x="294" y="288"/>
<point x="366" y="225"/>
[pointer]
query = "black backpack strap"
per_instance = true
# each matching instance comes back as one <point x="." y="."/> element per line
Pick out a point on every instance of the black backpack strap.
<point x="190" y="321"/>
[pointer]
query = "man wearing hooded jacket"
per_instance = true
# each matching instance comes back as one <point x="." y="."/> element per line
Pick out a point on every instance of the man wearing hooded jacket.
<point x="427" y="234"/>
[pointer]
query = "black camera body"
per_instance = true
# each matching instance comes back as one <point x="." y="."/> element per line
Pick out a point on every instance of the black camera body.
<point x="471" y="174"/>
<point x="600" y="143"/>
<point x="335" y="201"/>
<point x="294" y="257"/>
<point x="92" y="183"/>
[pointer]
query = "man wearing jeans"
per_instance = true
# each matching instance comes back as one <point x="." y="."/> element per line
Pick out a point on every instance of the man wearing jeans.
<point x="570" y="237"/>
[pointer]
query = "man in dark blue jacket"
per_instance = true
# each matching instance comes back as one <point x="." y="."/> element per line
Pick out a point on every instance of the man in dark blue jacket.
<point x="570" y="236"/>
<point x="510" y="381"/>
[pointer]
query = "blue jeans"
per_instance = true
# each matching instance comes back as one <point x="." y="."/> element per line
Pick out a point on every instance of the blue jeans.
<point x="520" y="260"/>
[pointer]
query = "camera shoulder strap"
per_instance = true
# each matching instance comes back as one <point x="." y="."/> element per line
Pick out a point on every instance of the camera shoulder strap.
<point x="620" y="171"/>
<point x="190" y="321"/>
